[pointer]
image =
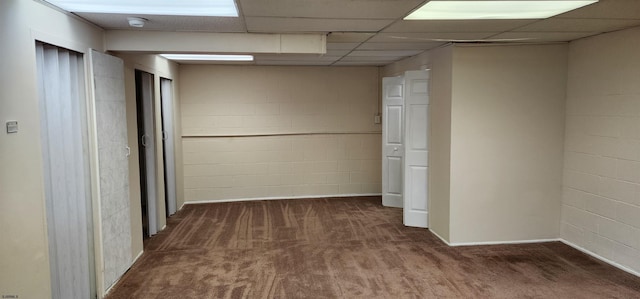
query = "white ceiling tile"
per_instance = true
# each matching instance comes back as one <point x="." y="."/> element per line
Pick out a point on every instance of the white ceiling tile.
<point x="456" y="25"/>
<point x="340" y="53"/>
<point x="607" y="9"/>
<point x="348" y="37"/>
<point x="169" y="23"/>
<point x="579" y="25"/>
<point x="354" y="24"/>
<point x="341" y="46"/>
<point x="396" y="53"/>
<point x="350" y="9"/>
<point x="544" y="36"/>
<point x="428" y="37"/>
<point x="287" y="25"/>
<point x="399" y="46"/>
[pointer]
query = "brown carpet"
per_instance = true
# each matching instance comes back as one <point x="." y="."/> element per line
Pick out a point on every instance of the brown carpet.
<point x="349" y="248"/>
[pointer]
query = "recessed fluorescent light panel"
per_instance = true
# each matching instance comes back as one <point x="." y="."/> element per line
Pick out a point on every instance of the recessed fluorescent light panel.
<point x="212" y="8"/>
<point x="207" y="57"/>
<point x="493" y="10"/>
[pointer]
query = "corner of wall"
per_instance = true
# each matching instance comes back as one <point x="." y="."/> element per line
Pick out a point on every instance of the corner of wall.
<point x="440" y="143"/>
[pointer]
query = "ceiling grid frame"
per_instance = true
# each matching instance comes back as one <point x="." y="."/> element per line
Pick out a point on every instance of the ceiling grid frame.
<point x="377" y="26"/>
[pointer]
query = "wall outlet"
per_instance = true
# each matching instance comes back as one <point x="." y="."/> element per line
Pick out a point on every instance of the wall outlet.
<point x="377" y="119"/>
<point x="12" y="127"/>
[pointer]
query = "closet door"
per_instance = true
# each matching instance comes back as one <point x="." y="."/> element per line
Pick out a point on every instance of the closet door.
<point x="61" y="92"/>
<point x="416" y="168"/>
<point x="166" y="95"/>
<point x="392" y="141"/>
<point x="147" y="151"/>
<point x="113" y="165"/>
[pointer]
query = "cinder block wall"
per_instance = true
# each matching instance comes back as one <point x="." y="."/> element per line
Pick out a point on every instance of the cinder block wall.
<point x="257" y="131"/>
<point x="601" y="202"/>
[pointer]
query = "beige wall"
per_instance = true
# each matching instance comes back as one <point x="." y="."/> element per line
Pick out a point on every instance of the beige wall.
<point x="497" y="122"/>
<point x="249" y="100"/>
<point x="440" y="141"/>
<point x="24" y="248"/>
<point x="507" y="127"/>
<point x="316" y="134"/>
<point x="601" y="202"/>
<point x="281" y="166"/>
<point x="159" y="67"/>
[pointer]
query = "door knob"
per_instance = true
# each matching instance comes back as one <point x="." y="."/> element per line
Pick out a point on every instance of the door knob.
<point x="395" y="149"/>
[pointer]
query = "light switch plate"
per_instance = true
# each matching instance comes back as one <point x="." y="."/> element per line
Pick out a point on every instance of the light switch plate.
<point x="377" y="119"/>
<point x="12" y="127"/>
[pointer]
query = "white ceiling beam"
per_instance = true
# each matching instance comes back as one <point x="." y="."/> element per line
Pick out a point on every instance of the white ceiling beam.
<point x="205" y="42"/>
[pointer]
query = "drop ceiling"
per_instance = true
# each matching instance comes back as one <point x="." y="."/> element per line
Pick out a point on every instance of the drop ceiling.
<point x="372" y="32"/>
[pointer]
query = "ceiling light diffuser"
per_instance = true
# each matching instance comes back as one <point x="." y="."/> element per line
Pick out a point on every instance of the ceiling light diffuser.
<point x="492" y="10"/>
<point x="207" y="57"/>
<point x="214" y="8"/>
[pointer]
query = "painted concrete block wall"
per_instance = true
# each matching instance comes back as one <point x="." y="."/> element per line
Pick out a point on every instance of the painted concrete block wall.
<point x="507" y="137"/>
<point x="249" y="100"/>
<point x="601" y="194"/>
<point x="255" y="132"/>
<point x="440" y="141"/>
<point x="281" y="166"/>
<point x="497" y="123"/>
<point x="24" y="250"/>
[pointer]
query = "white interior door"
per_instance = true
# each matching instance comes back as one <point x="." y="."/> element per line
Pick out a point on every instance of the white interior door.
<point x="392" y="141"/>
<point x="113" y="165"/>
<point x="166" y="94"/>
<point x="416" y="168"/>
<point x="148" y="142"/>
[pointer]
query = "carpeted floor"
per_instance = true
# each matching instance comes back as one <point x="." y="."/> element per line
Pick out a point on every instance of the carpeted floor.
<point x="348" y="248"/>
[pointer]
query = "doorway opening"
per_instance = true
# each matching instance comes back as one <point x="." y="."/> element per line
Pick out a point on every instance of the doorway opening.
<point x="146" y="151"/>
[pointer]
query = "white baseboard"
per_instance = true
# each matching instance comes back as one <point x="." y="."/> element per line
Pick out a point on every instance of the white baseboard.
<point x="606" y="260"/>
<point x="459" y="244"/>
<point x="440" y="237"/>
<point x="117" y="280"/>
<point x="137" y="258"/>
<point x="279" y="198"/>
<point x="503" y="242"/>
<point x="590" y="253"/>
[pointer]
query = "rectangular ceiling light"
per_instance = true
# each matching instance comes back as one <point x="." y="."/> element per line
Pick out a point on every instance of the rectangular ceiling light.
<point x="207" y="57"/>
<point x="492" y="10"/>
<point x="213" y="8"/>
